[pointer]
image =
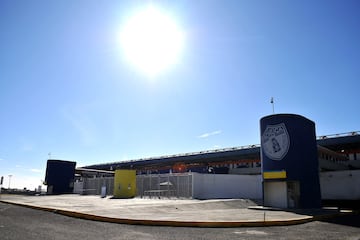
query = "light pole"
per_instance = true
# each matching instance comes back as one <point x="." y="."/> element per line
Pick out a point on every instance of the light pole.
<point x="272" y="103"/>
<point x="9" y="181"/>
<point x="1" y="183"/>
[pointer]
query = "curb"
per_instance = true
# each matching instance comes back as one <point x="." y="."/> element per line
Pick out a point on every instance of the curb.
<point x="170" y="223"/>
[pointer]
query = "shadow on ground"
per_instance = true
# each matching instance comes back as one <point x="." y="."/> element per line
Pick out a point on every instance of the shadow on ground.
<point x="346" y="220"/>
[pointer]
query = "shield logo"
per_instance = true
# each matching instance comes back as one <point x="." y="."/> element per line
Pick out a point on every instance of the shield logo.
<point x="275" y="141"/>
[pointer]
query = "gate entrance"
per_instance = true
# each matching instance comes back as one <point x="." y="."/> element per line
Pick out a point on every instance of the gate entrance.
<point x="281" y="194"/>
<point x="275" y="194"/>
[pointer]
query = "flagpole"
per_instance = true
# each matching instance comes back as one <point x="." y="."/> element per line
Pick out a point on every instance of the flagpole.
<point x="272" y="103"/>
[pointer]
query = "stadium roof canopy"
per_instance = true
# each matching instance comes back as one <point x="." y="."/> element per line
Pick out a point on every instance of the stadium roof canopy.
<point x="345" y="142"/>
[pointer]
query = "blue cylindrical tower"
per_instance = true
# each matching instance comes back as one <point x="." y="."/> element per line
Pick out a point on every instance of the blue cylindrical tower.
<point x="290" y="166"/>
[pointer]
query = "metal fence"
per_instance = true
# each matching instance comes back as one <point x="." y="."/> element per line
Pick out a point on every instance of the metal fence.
<point x="164" y="185"/>
<point x="92" y="186"/>
<point x="177" y="185"/>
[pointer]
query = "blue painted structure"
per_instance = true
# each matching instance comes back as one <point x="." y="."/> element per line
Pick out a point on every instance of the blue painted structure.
<point x="60" y="176"/>
<point x="288" y="143"/>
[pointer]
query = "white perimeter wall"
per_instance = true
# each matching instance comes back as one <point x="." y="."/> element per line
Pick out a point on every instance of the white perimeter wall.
<point x="206" y="186"/>
<point x="340" y="185"/>
<point x="334" y="185"/>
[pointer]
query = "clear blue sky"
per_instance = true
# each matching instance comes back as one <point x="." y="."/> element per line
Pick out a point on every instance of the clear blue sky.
<point x="66" y="88"/>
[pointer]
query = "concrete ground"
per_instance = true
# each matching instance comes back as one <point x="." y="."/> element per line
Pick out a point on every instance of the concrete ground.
<point x="170" y="212"/>
<point x="18" y="222"/>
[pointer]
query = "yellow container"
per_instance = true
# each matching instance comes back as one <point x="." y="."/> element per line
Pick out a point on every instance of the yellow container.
<point x="125" y="183"/>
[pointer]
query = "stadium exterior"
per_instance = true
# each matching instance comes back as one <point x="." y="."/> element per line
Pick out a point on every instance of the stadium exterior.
<point x="335" y="152"/>
<point x="230" y="173"/>
<point x="224" y="173"/>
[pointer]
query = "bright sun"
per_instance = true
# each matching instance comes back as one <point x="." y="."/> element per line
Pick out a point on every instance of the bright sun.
<point x="151" y="41"/>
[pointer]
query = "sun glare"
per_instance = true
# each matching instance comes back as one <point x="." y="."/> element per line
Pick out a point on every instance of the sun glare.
<point x="151" y="41"/>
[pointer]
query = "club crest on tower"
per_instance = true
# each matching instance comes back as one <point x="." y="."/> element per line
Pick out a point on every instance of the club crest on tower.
<point x="275" y="141"/>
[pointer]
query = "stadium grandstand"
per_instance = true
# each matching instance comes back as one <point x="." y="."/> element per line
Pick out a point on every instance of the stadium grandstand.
<point x="336" y="152"/>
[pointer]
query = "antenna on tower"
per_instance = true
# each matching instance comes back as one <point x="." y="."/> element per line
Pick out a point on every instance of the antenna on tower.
<point x="49" y="154"/>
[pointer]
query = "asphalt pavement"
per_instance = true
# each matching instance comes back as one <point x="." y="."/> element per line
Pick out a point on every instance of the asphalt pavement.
<point x="171" y="212"/>
<point x="18" y="223"/>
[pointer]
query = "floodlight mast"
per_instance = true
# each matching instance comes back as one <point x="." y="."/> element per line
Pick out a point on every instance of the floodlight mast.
<point x="272" y="103"/>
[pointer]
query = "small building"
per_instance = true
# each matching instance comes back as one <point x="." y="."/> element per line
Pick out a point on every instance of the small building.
<point x="60" y="176"/>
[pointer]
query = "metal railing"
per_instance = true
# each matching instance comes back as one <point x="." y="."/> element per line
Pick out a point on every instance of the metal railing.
<point x="164" y="185"/>
<point x="176" y="185"/>
<point x="354" y="133"/>
<point x="92" y="186"/>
